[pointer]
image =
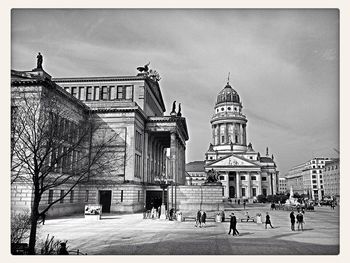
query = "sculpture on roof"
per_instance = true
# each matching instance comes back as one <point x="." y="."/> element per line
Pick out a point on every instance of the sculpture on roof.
<point x="153" y="74"/>
<point x="144" y="68"/>
<point x="267" y="151"/>
<point x="39" y="61"/>
<point x="174" y="107"/>
<point x="179" y="111"/>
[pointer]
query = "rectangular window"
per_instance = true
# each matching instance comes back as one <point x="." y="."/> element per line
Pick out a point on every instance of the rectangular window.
<point x="81" y="93"/>
<point x="104" y="93"/>
<point x="87" y="196"/>
<point x="221" y="177"/>
<point x="96" y="93"/>
<point x="313" y="176"/>
<point x="112" y="93"/>
<point x="121" y="195"/>
<point x="253" y="178"/>
<point x="75" y="92"/>
<point x="242" y="177"/>
<point x="254" y="191"/>
<point x="88" y="93"/>
<point x="71" y="199"/>
<point x="138" y="196"/>
<point x="314" y="181"/>
<point x="223" y="192"/>
<point x="222" y="139"/>
<point x="61" y="196"/>
<point x="120" y="92"/>
<point x="263" y="179"/>
<point x="243" y="192"/>
<point x="50" y="197"/>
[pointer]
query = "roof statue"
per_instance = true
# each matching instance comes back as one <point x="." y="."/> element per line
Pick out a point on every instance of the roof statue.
<point x="179" y="111"/>
<point x="144" y="68"/>
<point x="272" y="157"/>
<point x="173" y="111"/>
<point x="39" y="61"/>
<point x="267" y="151"/>
<point x="153" y="74"/>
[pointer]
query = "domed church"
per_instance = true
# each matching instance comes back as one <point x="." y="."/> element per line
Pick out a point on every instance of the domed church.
<point x="243" y="173"/>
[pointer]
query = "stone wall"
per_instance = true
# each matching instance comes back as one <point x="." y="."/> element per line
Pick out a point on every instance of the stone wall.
<point x="190" y="198"/>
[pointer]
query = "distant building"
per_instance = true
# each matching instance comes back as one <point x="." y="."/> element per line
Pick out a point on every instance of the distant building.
<point x="282" y="185"/>
<point x="243" y="173"/>
<point x="307" y="178"/>
<point x="331" y="177"/>
<point x="196" y="174"/>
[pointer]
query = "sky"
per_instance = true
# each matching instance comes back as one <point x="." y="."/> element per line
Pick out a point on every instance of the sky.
<point x="284" y="64"/>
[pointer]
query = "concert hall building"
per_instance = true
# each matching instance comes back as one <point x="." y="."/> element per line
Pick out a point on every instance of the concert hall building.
<point x="131" y="105"/>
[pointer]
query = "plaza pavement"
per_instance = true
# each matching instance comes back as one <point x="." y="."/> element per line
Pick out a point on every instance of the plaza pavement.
<point x="129" y="234"/>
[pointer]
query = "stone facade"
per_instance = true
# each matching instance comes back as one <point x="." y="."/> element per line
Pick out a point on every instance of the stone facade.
<point x="331" y="179"/>
<point x="133" y="108"/>
<point x="307" y="178"/>
<point x="193" y="197"/>
<point x="243" y="173"/>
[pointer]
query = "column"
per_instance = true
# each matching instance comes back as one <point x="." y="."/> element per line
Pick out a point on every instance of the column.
<point x="244" y="134"/>
<point x="213" y="134"/>
<point x="248" y="187"/>
<point x="145" y="156"/>
<point x="259" y="192"/>
<point x="238" y="185"/>
<point x="173" y="155"/>
<point x="173" y="165"/>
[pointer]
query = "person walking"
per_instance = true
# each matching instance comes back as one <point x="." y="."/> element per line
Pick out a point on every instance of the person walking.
<point x="233" y="225"/>
<point x="268" y="220"/>
<point x="292" y="220"/>
<point x="203" y="218"/>
<point x="300" y="220"/>
<point x="198" y="219"/>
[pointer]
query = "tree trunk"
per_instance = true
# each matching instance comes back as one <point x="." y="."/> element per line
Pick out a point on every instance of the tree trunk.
<point x="33" y="227"/>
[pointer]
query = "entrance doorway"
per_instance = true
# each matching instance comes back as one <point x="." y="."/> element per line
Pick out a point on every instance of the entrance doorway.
<point x="154" y="199"/>
<point x="232" y="192"/>
<point x="105" y="200"/>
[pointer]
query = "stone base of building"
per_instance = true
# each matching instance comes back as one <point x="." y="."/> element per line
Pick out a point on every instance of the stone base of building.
<point x="190" y="198"/>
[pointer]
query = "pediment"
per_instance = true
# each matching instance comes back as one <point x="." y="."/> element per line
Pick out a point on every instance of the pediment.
<point x="233" y="160"/>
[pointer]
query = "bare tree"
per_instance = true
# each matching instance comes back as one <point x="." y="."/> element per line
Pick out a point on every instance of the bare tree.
<point x="48" y="150"/>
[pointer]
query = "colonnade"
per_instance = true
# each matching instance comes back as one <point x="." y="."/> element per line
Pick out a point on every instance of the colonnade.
<point x="240" y="132"/>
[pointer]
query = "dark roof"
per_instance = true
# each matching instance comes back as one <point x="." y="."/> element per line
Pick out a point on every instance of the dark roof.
<point x="196" y="166"/>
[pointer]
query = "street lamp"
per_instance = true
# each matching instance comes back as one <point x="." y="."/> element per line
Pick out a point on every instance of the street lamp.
<point x="163" y="183"/>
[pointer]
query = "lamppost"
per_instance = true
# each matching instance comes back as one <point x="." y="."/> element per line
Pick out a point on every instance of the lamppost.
<point x="163" y="183"/>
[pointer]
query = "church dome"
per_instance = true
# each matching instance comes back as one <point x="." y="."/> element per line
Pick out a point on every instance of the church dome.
<point x="228" y="94"/>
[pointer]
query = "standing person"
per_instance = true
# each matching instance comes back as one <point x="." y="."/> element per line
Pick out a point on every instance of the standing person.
<point x="244" y="204"/>
<point x="268" y="221"/>
<point x="43" y="216"/>
<point x="203" y="218"/>
<point x="300" y="220"/>
<point x="233" y="225"/>
<point x="292" y="220"/>
<point x="247" y="215"/>
<point x="198" y="219"/>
